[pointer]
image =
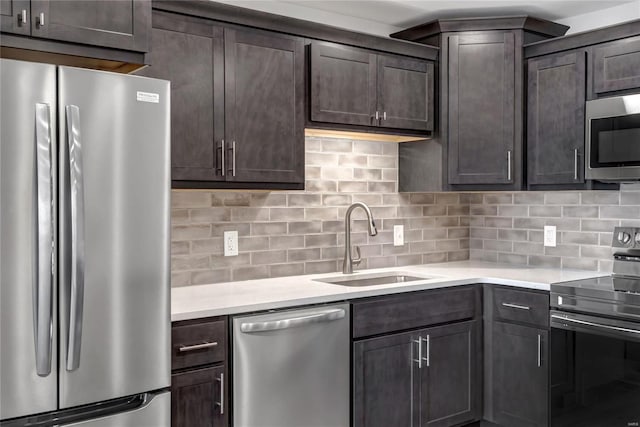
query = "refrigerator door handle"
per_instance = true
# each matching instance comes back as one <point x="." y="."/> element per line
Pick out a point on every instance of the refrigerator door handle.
<point x="76" y="300"/>
<point x="44" y="255"/>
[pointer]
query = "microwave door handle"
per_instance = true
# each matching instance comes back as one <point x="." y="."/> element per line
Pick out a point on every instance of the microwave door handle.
<point x="76" y="300"/>
<point x="44" y="261"/>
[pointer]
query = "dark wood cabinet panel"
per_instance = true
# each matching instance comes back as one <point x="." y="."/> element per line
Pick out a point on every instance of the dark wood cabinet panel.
<point x="520" y="375"/>
<point x="555" y="111"/>
<point x="450" y="385"/>
<point x="190" y="54"/>
<point x="198" y="398"/>
<point x="521" y="306"/>
<point x="264" y="107"/>
<point x="343" y="85"/>
<point x="616" y="66"/>
<point x="119" y="24"/>
<point x="383" y="387"/>
<point x="12" y="16"/>
<point x="482" y="108"/>
<point x="405" y="93"/>
<point x="413" y="310"/>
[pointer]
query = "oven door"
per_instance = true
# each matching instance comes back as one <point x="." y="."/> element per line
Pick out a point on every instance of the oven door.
<point x="613" y="138"/>
<point x="595" y="371"/>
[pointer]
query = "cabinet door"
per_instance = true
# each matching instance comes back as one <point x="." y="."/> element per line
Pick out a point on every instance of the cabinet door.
<point x="190" y="53"/>
<point x="264" y="107"/>
<point x="450" y="386"/>
<point x="385" y="381"/>
<point x="12" y="14"/>
<point x="343" y="85"/>
<point x="555" y="126"/>
<point x="616" y="66"/>
<point x="405" y="93"/>
<point x="121" y="24"/>
<point x="520" y="375"/>
<point x="198" y="398"/>
<point x="481" y="112"/>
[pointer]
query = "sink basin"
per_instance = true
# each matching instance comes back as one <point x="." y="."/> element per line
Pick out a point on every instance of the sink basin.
<point x="373" y="279"/>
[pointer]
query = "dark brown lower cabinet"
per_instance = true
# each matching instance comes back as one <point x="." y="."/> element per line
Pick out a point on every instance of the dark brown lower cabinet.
<point x="520" y="375"/>
<point x="428" y="377"/>
<point x="197" y="398"/>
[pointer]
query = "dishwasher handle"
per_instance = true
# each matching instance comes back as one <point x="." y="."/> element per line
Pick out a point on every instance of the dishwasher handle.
<point x="294" y="322"/>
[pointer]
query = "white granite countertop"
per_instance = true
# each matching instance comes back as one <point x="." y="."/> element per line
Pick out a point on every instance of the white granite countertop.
<point x="191" y="302"/>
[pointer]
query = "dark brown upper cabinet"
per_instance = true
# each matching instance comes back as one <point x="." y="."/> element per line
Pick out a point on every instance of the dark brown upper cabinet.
<point x="352" y="86"/>
<point x="481" y="125"/>
<point x="237" y="110"/>
<point x="343" y="85"/>
<point x="556" y="95"/>
<point x="264" y="107"/>
<point x="15" y="16"/>
<point x="189" y="52"/>
<point x="616" y="67"/>
<point x="121" y="24"/>
<point x="484" y="142"/>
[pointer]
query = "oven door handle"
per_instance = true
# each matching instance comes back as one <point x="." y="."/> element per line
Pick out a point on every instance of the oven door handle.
<point x="562" y="318"/>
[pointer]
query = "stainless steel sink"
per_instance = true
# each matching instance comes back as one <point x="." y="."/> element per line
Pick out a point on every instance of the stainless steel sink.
<point x="373" y="279"/>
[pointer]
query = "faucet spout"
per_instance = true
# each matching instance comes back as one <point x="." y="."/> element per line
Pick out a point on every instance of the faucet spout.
<point x="349" y="262"/>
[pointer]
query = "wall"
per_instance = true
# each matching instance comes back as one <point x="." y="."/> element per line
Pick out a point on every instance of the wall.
<point x="508" y="227"/>
<point x="602" y="18"/>
<point x="302" y="232"/>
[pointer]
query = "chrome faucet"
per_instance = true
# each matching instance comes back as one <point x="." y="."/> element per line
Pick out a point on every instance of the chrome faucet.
<point x="348" y="263"/>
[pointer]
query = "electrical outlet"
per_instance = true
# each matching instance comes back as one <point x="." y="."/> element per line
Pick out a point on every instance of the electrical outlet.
<point x="230" y="243"/>
<point x="550" y="235"/>
<point x="398" y="235"/>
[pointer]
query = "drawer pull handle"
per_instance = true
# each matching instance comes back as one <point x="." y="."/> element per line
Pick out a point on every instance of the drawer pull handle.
<point x="184" y="348"/>
<point x="519" y="307"/>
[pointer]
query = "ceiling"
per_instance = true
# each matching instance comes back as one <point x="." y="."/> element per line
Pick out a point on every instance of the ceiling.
<point x="386" y="16"/>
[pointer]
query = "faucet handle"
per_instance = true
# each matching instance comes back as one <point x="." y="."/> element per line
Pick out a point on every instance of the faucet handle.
<point x="357" y="260"/>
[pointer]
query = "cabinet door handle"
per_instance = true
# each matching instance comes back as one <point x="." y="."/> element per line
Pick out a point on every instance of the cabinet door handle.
<point x="427" y="342"/>
<point x="420" y="358"/>
<point x="539" y="350"/>
<point x="233" y="158"/>
<point x="508" y="165"/>
<point x="518" y="306"/>
<point x="40" y="20"/>
<point x="384" y="115"/>
<point x="220" y="404"/>
<point x="184" y="348"/>
<point x="22" y="17"/>
<point x="222" y="154"/>
<point x="575" y="164"/>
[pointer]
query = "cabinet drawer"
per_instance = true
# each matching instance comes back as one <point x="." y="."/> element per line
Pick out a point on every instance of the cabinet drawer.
<point x="616" y="66"/>
<point x="413" y="310"/>
<point x="521" y="306"/>
<point x="194" y="344"/>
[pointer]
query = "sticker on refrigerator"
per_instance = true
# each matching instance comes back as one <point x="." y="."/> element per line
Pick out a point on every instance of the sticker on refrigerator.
<point x="148" y="97"/>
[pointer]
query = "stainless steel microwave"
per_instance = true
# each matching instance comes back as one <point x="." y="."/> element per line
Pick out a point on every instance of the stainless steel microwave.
<point x="613" y="139"/>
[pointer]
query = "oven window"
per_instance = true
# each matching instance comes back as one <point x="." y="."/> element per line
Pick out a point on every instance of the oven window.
<point x="595" y="380"/>
<point x="615" y="141"/>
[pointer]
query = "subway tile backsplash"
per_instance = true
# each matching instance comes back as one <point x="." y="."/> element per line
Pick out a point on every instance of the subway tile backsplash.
<point x="283" y="233"/>
<point x="302" y="232"/>
<point x="508" y="227"/>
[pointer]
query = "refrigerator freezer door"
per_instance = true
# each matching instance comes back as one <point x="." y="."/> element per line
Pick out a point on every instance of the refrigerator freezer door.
<point x="157" y="413"/>
<point x="28" y="360"/>
<point x="114" y="235"/>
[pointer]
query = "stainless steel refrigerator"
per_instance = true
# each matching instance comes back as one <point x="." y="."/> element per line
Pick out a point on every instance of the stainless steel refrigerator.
<point x="84" y="247"/>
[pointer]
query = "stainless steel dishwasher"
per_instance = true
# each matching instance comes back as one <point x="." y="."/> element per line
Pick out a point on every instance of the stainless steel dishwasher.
<point x="291" y="368"/>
